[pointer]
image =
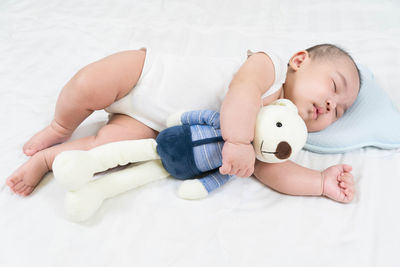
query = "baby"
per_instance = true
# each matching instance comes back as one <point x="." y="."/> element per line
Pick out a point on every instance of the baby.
<point x="323" y="81"/>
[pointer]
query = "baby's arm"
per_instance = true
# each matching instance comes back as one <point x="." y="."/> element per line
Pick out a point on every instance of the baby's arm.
<point x="239" y="111"/>
<point x="335" y="182"/>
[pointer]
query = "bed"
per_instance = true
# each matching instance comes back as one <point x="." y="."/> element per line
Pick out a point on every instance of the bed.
<point x="43" y="43"/>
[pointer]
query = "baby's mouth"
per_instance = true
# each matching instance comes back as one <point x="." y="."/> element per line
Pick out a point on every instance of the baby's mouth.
<point x="315" y="112"/>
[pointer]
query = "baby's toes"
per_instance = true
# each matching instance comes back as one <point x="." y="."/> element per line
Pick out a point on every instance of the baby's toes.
<point x="27" y="190"/>
<point x="24" y="191"/>
<point x="18" y="186"/>
<point x="21" y="189"/>
<point x="13" y="180"/>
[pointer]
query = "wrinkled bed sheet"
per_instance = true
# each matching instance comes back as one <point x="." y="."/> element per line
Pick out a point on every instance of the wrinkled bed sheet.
<point x="43" y="43"/>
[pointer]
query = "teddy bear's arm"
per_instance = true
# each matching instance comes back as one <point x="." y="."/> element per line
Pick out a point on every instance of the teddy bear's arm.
<point x="201" y="117"/>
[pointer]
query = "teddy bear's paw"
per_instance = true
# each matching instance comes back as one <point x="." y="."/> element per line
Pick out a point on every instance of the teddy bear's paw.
<point x="192" y="189"/>
<point x="80" y="206"/>
<point x="73" y="169"/>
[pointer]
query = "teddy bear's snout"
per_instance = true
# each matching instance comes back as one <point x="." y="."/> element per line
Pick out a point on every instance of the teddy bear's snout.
<point x="283" y="150"/>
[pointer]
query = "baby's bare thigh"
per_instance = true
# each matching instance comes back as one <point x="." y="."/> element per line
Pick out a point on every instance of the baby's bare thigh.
<point x="107" y="80"/>
<point x="122" y="127"/>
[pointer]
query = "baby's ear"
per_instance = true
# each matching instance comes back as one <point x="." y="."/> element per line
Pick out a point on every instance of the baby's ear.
<point x="286" y="103"/>
<point x="297" y="59"/>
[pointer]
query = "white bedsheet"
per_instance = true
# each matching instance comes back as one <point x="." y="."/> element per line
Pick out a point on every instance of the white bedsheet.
<point x="43" y="43"/>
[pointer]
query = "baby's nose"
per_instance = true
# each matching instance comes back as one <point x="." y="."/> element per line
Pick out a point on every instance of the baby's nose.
<point x="330" y="105"/>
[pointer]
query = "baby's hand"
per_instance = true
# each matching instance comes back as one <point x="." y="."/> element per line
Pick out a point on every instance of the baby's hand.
<point x="237" y="159"/>
<point x="338" y="183"/>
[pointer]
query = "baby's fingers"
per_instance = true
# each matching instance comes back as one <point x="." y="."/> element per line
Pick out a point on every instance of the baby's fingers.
<point x="346" y="183"/>
<point x="346" y="186"/>
<point x="347" y="168"/>
<point x="349" y="195"/>
<point x="346" y="178"/>
<point x="243" y="173"/>
<point x="249" y="172"/>
<point x="225" y="168"/>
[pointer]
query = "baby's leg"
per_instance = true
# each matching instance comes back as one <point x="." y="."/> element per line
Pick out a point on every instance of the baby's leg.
<point x="94" y="87"/>
<point x="121" y="127"/>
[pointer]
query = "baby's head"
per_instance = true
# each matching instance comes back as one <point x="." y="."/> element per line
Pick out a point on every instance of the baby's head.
<point x="323" y="81"/>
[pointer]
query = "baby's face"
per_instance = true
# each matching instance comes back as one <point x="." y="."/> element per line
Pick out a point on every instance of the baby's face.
<point x="322" y="89"/>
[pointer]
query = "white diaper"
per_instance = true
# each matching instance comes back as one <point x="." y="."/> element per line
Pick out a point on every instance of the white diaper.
<point x="171" y="83"/>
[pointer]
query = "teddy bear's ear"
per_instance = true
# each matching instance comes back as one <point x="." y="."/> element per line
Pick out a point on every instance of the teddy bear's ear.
<point x="286" y="103"/>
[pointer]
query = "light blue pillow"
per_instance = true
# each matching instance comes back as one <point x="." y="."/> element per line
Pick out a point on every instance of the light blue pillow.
<point x="373" y="120"/>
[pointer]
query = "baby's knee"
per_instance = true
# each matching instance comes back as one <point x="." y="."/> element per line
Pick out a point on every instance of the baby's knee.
<point x="83" y="84"/>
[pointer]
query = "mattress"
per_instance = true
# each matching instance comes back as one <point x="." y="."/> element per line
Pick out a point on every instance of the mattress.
<point x="43" y="43"/>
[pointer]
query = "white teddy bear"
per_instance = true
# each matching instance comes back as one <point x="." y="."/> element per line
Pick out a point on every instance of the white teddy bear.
<point x="178" y="151"/>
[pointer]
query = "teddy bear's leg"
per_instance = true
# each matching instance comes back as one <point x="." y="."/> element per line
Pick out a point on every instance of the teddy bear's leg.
<point x="75" y="168"/>
<point x="81" y="204"/>
<point x="200" y="188"/>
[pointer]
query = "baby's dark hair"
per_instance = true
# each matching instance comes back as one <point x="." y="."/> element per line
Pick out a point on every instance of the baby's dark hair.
<point x="330" y="50"/>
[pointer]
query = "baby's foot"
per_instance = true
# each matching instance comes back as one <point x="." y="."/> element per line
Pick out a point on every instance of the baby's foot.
<point x="340" y="188"/>
<point x="24" y="180"/>
<point x="51" y="135"/>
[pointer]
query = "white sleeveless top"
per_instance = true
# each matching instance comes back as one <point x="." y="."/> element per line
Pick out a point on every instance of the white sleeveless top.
<point x="172" y="83"/>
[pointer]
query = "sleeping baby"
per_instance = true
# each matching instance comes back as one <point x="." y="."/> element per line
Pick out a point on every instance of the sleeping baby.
<point x="140" y="88"/>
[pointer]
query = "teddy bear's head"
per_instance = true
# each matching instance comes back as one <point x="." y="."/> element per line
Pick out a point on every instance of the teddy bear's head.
<point x="280" y="132"/>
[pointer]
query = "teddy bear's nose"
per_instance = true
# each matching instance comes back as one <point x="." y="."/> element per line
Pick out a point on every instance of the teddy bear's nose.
<point x="283" y="150"/>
